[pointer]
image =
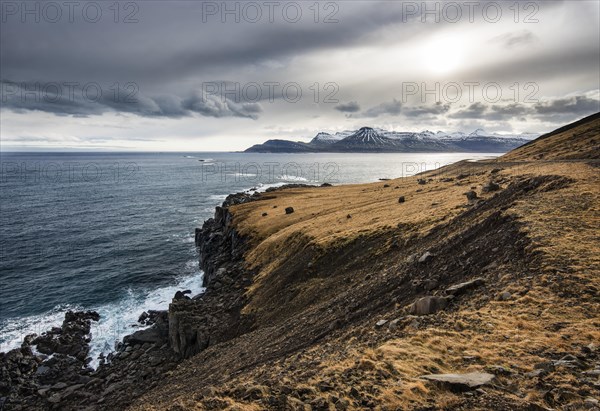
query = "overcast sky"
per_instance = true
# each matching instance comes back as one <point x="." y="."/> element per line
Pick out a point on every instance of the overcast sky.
<point x="204" y="76"/>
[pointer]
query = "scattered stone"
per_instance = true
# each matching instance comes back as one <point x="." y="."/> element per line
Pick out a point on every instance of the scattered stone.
<point x="264" y="214"/>
<point x="422" y="181"/>
<point x="504" y="296"/>
<point x="496" y="170"/>
<point x="289" y="210"/>
<point x="429" y="305"/>
<point x="348" y="216"/>
<point x="461" y="288"/>
<point x="427" y="256"/>
<point x="386" y="185"/>
<point x="570" y="361"/>
<point x="59" y="386"/>
<point x="536" y="373"/>
<point x="55" y="398"/>
<point x="491" y="186"/>
<point x="401" y="199"/>
<point x="393" y="325"/>
<point x="461" y="382"/>
<point x="499" y="370"/>
<point x="547" y="366"/>
<point x="381" y="323"/>
<point x="471" y="195"/>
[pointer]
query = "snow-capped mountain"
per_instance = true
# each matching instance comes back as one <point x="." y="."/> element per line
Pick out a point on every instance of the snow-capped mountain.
<point x="366" y="135"/>
<point x="367" y="139"/>
<point x="323" y="137"/>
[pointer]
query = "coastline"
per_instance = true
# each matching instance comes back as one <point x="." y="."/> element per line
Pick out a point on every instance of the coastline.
<point x="355" y="288"/>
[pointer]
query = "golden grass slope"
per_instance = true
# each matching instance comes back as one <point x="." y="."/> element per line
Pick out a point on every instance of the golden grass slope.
<point x="345" y="259"/>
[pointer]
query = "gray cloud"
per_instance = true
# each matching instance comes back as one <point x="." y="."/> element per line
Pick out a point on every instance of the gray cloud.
<point x="350" y="107"/>
<point x="392" y="108"/>
<point x="567" y="108"/>
<point x="516" y="39"/>
<point x="420" y="111"/>
<point x="84" y="100"/>
<point x="170" y="53"/>
<point x="574" y="105"/>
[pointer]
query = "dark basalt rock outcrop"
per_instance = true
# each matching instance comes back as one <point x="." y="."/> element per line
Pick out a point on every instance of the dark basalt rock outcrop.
<point x="58" y="376"/>
<point x="214" y="316"/>
<point x="217" y="241"/>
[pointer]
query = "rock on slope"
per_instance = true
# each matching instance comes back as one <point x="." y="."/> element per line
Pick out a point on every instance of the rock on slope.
<point x="328" y="299"/>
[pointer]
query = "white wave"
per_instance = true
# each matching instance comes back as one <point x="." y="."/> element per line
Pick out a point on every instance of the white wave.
<point x="116" y="319"/>
<point x="293" y="178"/>
<point x="244" y="175"/>
<point x="261" y="188"/>
<point x="15" y="330"/>
<point x="120" y="319"/>
<point x="219" y="197"/>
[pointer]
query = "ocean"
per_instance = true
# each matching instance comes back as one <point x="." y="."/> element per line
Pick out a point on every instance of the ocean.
<point x="114" y="232"/>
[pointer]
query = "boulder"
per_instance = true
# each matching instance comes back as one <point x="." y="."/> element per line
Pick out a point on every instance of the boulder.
<point x="491" y="186"/>
<point x="289" y="210"/>
<point x="461" y="288"/>
<point x="401" y="199"/>
<point x="426" y="257"/>
<point x="461" y="382"/>
<point x="429" y="305"/>
<point x="151" y="335"/>
<point x="471" y="195"/>
<point x="180" y="295"/>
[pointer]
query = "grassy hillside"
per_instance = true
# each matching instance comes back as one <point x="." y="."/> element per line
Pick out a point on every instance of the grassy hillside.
<point x="336" y="280"/>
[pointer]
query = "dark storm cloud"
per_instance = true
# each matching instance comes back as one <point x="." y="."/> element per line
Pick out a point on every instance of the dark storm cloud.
<point x="392" y="108"/>
<point x="171" y="50"/>
<point x="94" y="99"/>
<point x="350" y="107"/>
<point x="172" y="37"/>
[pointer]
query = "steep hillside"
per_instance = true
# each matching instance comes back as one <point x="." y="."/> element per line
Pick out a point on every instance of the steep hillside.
<point x="574" y="141"/>
<point x="363" y="294"/>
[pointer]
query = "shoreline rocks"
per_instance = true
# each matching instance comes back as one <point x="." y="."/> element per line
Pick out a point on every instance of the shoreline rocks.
<point x="60" y="377"/>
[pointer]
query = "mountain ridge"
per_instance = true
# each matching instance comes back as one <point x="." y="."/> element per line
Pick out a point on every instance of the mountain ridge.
<point x="369" y="139"/>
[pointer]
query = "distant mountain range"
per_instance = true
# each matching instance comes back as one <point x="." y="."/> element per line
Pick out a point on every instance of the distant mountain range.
<point x="375" y="140"/>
